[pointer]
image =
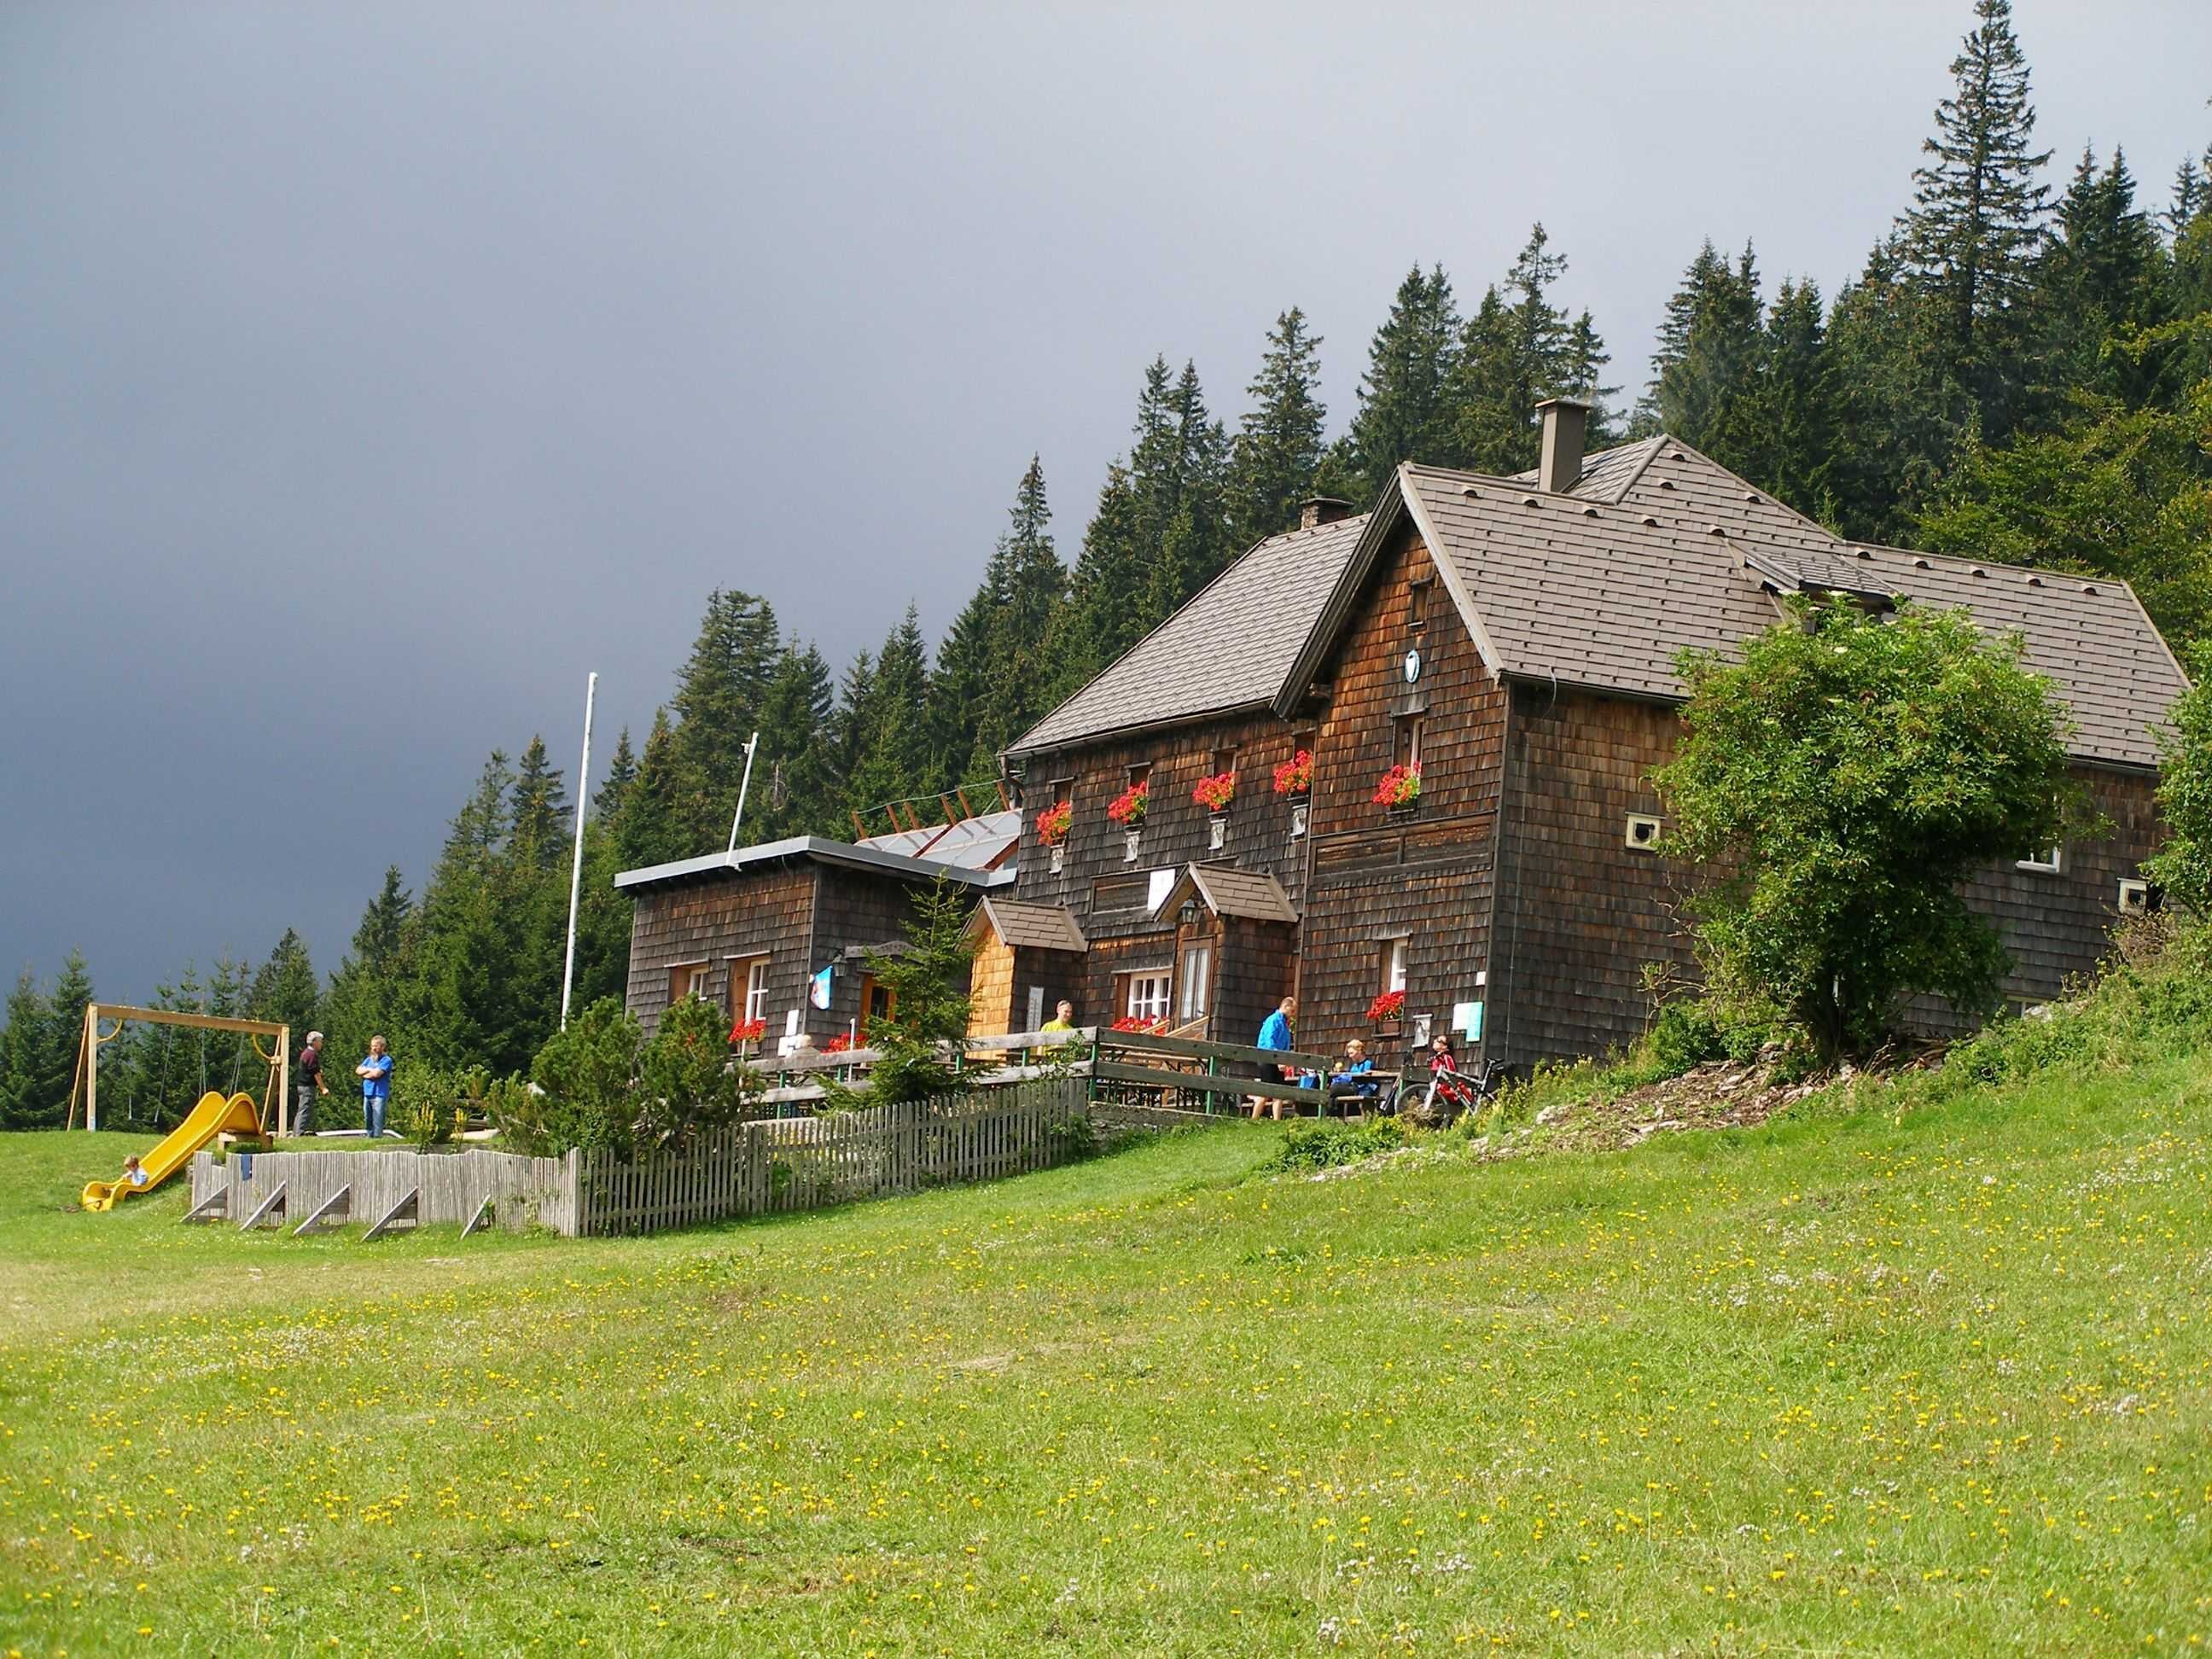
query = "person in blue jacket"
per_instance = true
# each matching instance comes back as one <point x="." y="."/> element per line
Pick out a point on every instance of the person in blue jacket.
<point x="1275" y="1035"/>
<point x="375" y="1075"/>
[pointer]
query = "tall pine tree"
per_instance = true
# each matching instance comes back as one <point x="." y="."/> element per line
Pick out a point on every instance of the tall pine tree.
<point x="1280" y="442"/>
<point x="1977" y="221"/>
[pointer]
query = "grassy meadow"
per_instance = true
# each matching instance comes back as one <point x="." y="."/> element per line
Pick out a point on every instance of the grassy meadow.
<point x="1902" y="1373"/>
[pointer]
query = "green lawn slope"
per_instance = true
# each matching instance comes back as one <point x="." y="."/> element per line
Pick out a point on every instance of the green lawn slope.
<point x="1917" y="1368"/>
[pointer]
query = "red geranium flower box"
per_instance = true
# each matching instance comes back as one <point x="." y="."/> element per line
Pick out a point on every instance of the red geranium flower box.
<point x="1129" y="807"/>
<point x="1052" y="823"/>
<point x="1399" y="787"/>
<point x="1295" y="775"/>
<point x="1214" y="794"/>
<point x="1390" y="1006"/>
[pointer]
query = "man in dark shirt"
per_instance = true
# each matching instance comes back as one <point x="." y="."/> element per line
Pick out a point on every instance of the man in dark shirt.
<point x="310" y="1074"/>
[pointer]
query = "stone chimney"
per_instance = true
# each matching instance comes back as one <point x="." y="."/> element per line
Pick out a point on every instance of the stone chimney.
<point x="1561" y="466"/>
<point x="1317" y="510"/>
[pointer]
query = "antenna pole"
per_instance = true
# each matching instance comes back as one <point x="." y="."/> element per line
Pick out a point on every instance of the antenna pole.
<point x="743" y="784"/>
<point x="576" y="870"/>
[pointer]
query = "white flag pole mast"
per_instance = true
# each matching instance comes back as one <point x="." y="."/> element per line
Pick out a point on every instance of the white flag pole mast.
<point x="576" y="870"/>
<point x="743" y="784"/>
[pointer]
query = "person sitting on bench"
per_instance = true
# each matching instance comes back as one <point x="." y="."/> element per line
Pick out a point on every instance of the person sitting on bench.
<point x="1356" y="1063"/>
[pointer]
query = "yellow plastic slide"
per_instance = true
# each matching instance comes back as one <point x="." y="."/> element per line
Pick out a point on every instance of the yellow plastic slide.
<point x="211" y="1117"/>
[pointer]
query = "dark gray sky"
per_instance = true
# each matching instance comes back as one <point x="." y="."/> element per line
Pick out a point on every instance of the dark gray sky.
<point x="367" y="373"/>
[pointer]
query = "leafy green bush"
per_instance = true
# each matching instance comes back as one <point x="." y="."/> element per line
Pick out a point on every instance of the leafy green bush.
<point x="1684" y="1035"/>
<point x="1842" y="779"/>
<point x="1328" y="1142"/>
<point x="423" y="1102"/>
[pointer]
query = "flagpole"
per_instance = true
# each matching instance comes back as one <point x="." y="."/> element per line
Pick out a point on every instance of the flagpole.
<point x="743" y="784"/>
<point x="576" y="870"/>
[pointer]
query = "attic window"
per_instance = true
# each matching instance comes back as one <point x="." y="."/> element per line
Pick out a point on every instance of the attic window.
<point x="1417" y="602"/>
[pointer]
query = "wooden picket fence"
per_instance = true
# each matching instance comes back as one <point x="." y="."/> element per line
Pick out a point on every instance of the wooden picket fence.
<point x="802" y="1163"/>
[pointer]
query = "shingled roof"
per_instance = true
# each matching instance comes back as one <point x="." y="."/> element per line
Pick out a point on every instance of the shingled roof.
<point x="1035" y="927"/>
<point x="1658" y="548"/>
<point x="1230" y="647"/>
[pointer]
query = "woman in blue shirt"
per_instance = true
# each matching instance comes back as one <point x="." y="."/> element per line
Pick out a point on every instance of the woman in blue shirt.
<point x="375" y="1075"/>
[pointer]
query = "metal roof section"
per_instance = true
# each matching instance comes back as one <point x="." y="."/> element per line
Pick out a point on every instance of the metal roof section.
<point x="821" y="850"/>
<point x="1230" y="646"/>
<point x="983" y="842"/>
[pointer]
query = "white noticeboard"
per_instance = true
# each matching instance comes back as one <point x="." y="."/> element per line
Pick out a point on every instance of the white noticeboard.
<point x="1467" y="1020"/>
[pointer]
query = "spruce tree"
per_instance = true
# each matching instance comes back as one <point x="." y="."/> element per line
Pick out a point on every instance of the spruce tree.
<point x="622" y="772"/>
<point x="285" y="989"/>
<point x="540" y="811"/>
<point x="22" y="1053"/>
<point x="659" y="807"/>
<point x="1899" y="412"/>
<point x="1709" y="349"/>
<point x="1101" y="619"/>
<point x="717" y="703"/>
<point x="1405" y="407"/>
<point x="895" y="762"/>
<point x="1783" y="420"/>
<point x="2192" y="193"/>
<point x="1518" y="349"/>
<point x="796" y="789"/>
<point x="1280" y="442"/>
<point x="2102" y="274"/>
<point x="1177" y="469"/>
<point x="1977" y="221"/>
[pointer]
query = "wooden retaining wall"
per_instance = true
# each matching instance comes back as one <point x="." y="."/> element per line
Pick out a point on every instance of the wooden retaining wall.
<point x="523" y="1190"/>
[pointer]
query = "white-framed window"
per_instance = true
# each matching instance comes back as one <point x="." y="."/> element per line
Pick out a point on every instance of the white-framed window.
<point x="1642" y="835"/>
<point x="748" y="987"/>
<point x="2134" y="896"/>
<point x="1197" y="982"/>
<point x="1148" y="994"/>
<point x="686" y="979"/>
<point x="1394" y="964"/>
<point x="2050" y="861"/>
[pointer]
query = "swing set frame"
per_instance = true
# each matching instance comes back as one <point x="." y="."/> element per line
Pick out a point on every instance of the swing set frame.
<point x="87" y="1081"/>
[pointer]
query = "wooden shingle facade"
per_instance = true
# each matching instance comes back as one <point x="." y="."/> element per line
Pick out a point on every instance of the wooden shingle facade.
<point x="1518" y="636"/>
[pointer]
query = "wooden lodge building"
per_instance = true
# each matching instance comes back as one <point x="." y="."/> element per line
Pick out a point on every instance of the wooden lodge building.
<point x="1515" y="638"/>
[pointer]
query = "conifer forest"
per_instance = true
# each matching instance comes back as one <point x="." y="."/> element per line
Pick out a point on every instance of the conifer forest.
<point x="2020" y="369"/>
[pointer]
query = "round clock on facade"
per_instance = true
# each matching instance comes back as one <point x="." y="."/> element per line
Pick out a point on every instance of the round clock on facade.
<point x="1412" y="664"/>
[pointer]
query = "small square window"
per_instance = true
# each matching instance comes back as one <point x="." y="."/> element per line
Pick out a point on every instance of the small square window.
<point x="1642" y="835"/>
<point x="1407" y="748"/>
<point x="2136" y="899"/>
<point x="2048" y="862"/>
<point x="1394" y="964"/>
<point x="1141" y="772"/>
